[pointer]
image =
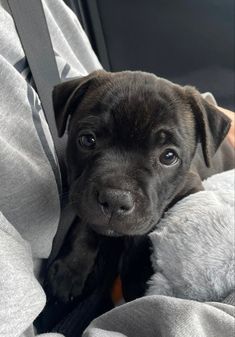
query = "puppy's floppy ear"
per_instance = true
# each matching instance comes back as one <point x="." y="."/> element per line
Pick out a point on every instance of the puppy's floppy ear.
<point x="212" y="124"/>
<point x="68" y="94"/>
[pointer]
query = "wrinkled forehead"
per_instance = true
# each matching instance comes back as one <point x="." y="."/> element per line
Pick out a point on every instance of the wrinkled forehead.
<point x="136" y="110"/>
<point x="143" y="107"/>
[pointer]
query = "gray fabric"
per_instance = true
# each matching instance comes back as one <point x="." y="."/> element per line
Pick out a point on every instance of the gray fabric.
<point x="29" y="200"/>
<point x="230" y="299"/>
<point x="21" y="296"/>
<point x="193" y="245"/>
<point x="157" y="316"/>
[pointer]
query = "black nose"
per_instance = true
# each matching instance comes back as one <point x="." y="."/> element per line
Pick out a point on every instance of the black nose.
<point x="115" y="201"/>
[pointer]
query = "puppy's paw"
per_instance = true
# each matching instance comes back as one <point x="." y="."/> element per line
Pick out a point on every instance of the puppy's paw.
<point x="63" y="282"/>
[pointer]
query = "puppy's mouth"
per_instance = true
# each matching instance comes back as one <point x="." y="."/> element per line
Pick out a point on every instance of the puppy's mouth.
<point x="117" y="225"/>
<point x="124" y="229"/>
<point x="115" y="212"/>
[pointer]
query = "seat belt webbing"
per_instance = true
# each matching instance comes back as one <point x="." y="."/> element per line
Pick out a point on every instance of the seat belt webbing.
<point x="32" y="28"/>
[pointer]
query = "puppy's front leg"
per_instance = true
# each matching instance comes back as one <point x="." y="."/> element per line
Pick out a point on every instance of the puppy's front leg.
<point x="68" y="274"/>
<point x="136" y="267"/>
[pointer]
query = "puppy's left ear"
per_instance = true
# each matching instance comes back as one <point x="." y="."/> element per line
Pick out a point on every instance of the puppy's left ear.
<point x="212" y="125"/>
<point x="67" y="96"/>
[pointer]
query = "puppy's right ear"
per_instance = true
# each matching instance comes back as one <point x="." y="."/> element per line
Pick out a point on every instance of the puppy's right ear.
<point x="64" y="96"/>
<point x="67" y="95"/>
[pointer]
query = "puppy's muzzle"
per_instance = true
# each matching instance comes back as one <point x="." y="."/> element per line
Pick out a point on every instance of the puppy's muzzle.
<point x="115" y="201"/>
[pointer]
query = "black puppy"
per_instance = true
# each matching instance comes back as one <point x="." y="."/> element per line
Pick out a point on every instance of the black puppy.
<point x="136" y="144"/>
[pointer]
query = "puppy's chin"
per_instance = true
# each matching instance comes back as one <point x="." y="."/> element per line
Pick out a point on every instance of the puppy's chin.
<point x="118" y="231"/>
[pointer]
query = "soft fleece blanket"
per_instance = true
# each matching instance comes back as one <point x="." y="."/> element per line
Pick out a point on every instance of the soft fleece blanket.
<point x="193" y="245"/>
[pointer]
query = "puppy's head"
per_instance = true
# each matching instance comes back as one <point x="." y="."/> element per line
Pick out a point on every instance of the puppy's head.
<point x="131" y="139"/>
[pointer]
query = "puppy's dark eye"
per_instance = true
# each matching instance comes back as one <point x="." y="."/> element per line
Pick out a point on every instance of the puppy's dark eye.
<point x="168" y="157"/>
<point x="87" y="141"/>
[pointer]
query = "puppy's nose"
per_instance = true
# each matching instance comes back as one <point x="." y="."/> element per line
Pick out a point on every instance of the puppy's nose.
<point x="115" y="201"/>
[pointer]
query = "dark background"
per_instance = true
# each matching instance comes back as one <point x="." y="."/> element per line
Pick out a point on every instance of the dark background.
<point x="186" y="41"/>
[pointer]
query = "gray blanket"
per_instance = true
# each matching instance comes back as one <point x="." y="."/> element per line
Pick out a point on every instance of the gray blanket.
<point x="193" y="245"/>
<point x="158" y="316"/>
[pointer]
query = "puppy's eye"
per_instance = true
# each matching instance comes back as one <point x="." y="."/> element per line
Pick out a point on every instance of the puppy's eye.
<point x="168" y="157"/>
<point x="87" y="141"/>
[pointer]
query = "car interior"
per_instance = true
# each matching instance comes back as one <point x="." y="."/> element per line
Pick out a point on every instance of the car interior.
<point x="165" y="37"/>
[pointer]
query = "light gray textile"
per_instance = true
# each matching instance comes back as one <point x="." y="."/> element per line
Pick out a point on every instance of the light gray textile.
<point x="193" y="245"/>
<point x="158" y="316"/>
<point x="21" y="296"/>
<point x="29" y="200"/>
